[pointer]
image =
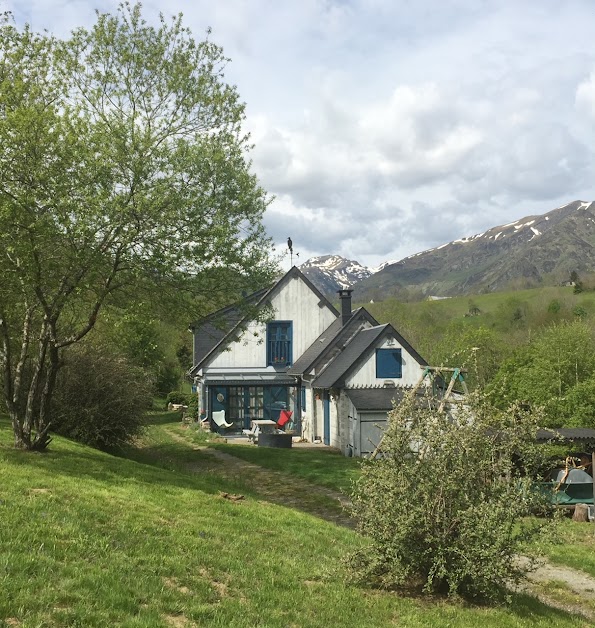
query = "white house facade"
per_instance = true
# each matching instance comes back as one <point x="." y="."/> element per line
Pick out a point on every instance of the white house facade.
<point x="338" y="372"/>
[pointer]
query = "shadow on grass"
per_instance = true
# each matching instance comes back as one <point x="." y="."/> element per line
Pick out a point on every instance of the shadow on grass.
<point x="532" y="611"/>
<point x="160" y="463"/>
<point x="323" y="467"/>
<point x="161" y="417"/>
<point x="73" y="460"/>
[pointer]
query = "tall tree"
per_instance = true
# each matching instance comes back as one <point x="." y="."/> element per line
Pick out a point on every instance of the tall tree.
<point x="123" y="168"/>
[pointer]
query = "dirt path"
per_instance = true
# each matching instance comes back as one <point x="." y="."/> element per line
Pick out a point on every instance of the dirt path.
<point x="327" y="504"/>
<point x="274" y="486"/>
<point x="577" y="596"/>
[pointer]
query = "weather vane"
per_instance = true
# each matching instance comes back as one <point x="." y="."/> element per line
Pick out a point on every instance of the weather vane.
<point x="290" y="247"/>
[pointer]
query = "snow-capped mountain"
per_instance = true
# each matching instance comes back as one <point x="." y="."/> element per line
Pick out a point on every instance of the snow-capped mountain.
<point x="330" y="273"/>
<point x="520" y="253"/>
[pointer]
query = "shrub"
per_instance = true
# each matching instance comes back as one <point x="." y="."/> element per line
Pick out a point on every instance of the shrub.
<point x="193" y="406"/>
<point x="444" y="505"/>
<point x="167" y="376"/>
<point x="178" y="397"/>
<point x="100" y="399"/>
<point x="186" y="399"/>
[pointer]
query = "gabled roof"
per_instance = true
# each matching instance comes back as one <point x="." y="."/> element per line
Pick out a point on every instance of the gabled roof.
<point x="230" y="312"/>
<point x="330" y="338"/>
<point x="361" y="343"/>
<point x="295" y="273"/>
<point x="259" y="299"/>
<point x="358" y="346"/>
<point x="216" y="326"/>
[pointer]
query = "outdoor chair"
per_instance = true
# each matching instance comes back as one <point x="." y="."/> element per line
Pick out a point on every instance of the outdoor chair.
<point x="284" y="418"/>
<point x="219" y="420"/>
<point x="252" y="433"/>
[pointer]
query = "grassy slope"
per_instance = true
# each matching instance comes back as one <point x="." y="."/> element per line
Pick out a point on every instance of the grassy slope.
<point x="89" y="539"/>
<point x="456" y="307"/>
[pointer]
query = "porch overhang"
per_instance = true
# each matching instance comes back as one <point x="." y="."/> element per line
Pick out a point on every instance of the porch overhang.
<point x="251" y="379"/>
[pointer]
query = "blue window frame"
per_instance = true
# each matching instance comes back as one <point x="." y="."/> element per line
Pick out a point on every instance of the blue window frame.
<point x="279" y="341"/>
<point x="389" y="363"/>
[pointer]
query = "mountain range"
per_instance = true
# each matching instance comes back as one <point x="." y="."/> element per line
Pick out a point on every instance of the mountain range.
<point x="536" y="249"/>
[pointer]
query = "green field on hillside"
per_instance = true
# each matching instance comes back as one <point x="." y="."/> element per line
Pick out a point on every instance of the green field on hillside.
<point x="513" y="316"/>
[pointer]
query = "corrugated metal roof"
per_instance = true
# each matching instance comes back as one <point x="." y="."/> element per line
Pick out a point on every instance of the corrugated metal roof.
<point x="566" y="433"/>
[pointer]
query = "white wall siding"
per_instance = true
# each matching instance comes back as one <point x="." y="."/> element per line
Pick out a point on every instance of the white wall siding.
<point x="249" y="351"/>
<point x="294" y="302"/>
<point x="335" y="428"/>
<point x="365" y="374"/>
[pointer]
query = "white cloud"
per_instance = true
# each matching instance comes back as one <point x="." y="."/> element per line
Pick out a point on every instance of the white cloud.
<point x="585" y="96"/>
<point x="387" y="127"/>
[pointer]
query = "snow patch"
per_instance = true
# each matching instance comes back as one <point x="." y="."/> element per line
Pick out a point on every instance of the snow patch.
<point x="382" y="266"/>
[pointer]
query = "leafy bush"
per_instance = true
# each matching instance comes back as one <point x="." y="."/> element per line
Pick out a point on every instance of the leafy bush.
<point x="193" y="406"/>
<point x="444" y="506"/>
<point x="186" y="399"/>
<point x="178" y="397"/>
<point x="100" y="399"/>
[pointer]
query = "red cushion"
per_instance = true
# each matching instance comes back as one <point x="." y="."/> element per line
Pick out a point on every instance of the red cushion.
<point x="284" y="417"/>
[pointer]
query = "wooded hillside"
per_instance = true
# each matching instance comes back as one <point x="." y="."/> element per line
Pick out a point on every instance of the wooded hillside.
<point x="535" y="346"/>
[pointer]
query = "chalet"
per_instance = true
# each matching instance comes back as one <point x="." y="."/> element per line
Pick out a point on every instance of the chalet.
<point x="336" y="371"/>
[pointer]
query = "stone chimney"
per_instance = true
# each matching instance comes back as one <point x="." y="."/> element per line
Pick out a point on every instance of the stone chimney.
<point x="345" y="296"/>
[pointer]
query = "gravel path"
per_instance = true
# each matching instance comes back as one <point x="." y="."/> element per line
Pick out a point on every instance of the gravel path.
<point x="579" y="596"/>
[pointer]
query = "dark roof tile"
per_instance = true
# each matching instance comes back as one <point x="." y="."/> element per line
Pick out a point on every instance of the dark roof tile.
<point x="375" y="399"/>
<point x="357" y="347"/>
<point x="331" y="337"/>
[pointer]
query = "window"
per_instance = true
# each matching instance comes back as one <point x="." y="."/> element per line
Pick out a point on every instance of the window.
<point x="389" y="363"/>
<point x="279" y="336"/>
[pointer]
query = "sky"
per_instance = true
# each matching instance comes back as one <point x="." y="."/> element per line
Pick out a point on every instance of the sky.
<point x="387" y="127"/>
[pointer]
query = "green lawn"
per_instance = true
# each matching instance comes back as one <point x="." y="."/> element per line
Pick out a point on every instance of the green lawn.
<point x="90" y="539"/>
<point x="319" y="466"/>
<point x="574" y="547"/>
